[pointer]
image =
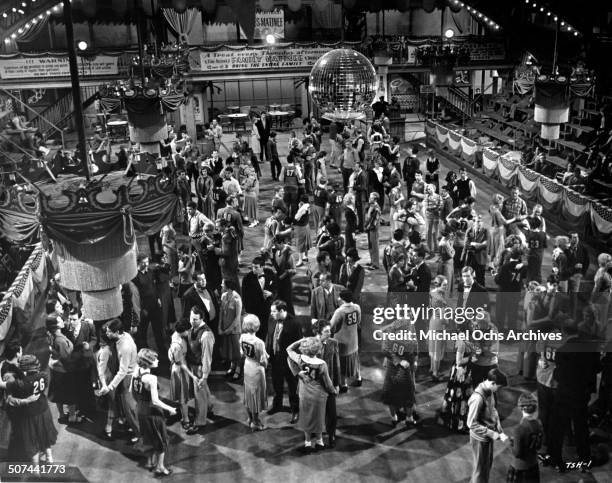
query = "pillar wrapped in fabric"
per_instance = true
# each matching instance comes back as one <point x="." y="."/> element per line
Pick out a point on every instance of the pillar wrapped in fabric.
<point x="549" y="131"/>
<point x="102" y="304"/>
<point x="147" y="123"/>
<point x="551" y="104"/>
<point x="95" y="267"/>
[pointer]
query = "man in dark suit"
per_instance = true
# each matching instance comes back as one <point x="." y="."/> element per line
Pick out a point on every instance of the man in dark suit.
<point x="150" y="307"/>
<point x="510" y="283"/>
<point x="263" y="132"/>
<point x="419" y="283"/>
<point x="325" y="298"/>
<point x="577" y="266"/>
<point x="352" y="274"/>
<point x="471" y="293"/>
<point x="258" y="290"/>
<point x="475" y="250"/>
<point x="283" y="330"/>
<point x="200" y="296"/>
<point x="331" y="356"/>
<point x="360" y="187"/>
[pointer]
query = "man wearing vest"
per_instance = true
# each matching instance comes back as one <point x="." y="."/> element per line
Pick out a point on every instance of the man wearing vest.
<point x="464" y="186"/>
<point x="483" y="421"/>
<point x="200" y="344"/>
<point x="292" y="179"/>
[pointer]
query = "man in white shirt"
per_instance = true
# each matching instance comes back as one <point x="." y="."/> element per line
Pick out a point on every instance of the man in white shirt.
<point x="122" y="381"/>
<point x="196" y="221"/>
<point x="217" y="132"/>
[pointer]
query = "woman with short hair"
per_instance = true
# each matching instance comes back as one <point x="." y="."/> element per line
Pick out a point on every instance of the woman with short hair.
<point x="313" y="389"/>
<point x="255" y="362"/>
<point x="149" y="409"/>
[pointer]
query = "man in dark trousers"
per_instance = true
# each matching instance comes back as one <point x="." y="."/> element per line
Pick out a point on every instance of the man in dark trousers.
<point x="475" y="250"/>
<point x="484" y="423"/>
<point x="200" y="296"/>
<point x="283" y="330"/>
<point x="258" y="290"/>
<point x="471" y="293"/>
<point x="150" y="306"/>
<point x="574" y="367"/>
<point x="352" y="274"/>
<point x="419" y="283"/>
<point x="509" y="281"/>
<point x="577" y="265"/>
<point x="263" y="133"/>
<point x="360" y="187"/>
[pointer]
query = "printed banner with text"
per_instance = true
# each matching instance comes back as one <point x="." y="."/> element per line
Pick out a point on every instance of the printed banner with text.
<point x="244" y="59"/>
<point x="268" y="23"/>
<point x="24" y="68"/>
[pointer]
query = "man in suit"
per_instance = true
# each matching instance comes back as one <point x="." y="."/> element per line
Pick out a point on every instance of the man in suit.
<point x="475" y="251"/>
<point x="258" y="289"/>
<point x="577" y="262"/>
<point x="471" y="293"/>
<point x="150" y="307"/>
<point x="263" y="133"/>
<point x="200" y="296"/>
<point x="331" y="356"/>
<point x="325" y="298"/>
<point x="360" y="188"/>
<point x="419" y="283"/>
<point x="510" y="283"/>
<point x="352" y="274"/>
<point x="283" y="330"/>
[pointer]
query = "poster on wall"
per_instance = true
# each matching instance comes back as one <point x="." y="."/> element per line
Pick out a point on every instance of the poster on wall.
<point x="245" y="59"/>
<point x="24" y="68"/>
<point x="268" y="23"/>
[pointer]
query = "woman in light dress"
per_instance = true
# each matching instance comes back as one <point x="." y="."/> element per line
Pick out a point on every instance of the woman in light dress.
<point x="253" y="349"/>
<point x="180" y="375"/>
<point x="498" y="230"/>
<point x="437" y="323"/>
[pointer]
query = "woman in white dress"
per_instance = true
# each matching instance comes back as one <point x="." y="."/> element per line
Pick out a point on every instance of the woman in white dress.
<point x="253" y="349"/>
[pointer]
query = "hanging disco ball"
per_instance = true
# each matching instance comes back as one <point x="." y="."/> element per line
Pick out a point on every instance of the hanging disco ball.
<point x="342" y="84"/>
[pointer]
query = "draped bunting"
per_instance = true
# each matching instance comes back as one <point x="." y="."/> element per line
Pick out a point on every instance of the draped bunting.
<point x="442" y="134"/>
<point x="150" y="205"/>
<point x="576" y="209"/>
<point x="17" y="305"/>
<point x="454" y="141"/>
<point x="181" y="23"/>
<point x="18" y="215"/>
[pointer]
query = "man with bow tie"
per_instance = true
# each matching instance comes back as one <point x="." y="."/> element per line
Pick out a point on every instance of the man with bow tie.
<point x="283" y="330"/>
<point x="258" y="289"/>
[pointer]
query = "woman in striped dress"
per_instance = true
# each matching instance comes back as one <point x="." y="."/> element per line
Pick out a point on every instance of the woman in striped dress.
<point x="255" y="362"/>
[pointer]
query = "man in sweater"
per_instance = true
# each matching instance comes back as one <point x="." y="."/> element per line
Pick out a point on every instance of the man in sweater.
<point x="510" y="282"/>
<point x="527" y="441"/>
<point x="484" y="424"/>
<point x="122" y="381"/>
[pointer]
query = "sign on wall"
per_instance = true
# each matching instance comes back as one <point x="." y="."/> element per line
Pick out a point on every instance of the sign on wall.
<point x="244" y="59"/>
<point x="22" y="68"/>
<point x="268" y="23"/>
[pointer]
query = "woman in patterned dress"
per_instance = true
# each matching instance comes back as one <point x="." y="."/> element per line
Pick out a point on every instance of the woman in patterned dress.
<point x="459" y="389"/>
<point x="399" y="386"/>
<point x="255" y="362"/>
<point x="446" y="265"/>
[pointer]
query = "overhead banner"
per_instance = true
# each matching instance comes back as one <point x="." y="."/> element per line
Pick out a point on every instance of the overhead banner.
<point x="28" y="67"/>
<point x="268" y="23"/>
<point x="245" y="59"/>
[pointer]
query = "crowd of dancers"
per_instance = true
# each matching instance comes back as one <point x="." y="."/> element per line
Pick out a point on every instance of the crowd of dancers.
<point x="441" y="253"/>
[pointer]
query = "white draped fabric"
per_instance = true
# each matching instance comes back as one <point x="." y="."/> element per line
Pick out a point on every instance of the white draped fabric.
<point x="181" y="23"/>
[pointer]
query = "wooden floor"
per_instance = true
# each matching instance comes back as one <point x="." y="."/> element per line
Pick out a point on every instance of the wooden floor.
<point x="368" y="449"/>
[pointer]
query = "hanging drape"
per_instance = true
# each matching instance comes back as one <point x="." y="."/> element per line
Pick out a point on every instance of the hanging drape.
<point x="181" y="23"/>
<point x="571" y="207"/>
<point x="31" y="32"/>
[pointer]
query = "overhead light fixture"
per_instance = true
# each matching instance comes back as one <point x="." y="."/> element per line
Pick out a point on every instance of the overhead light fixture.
<point x="549" y="14"/>
<point x="556" y="18"/>
<point x="449" y="33"/>
<point x="270" y="39"/>
<point x="541" y="9"/>
<point x="82" y="45"/>
<point x="576" y="34"/>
